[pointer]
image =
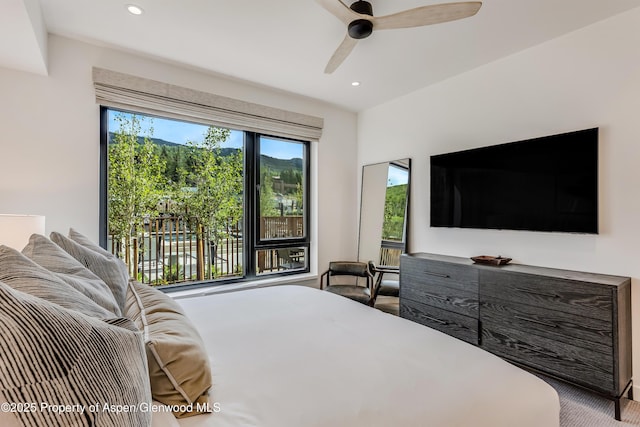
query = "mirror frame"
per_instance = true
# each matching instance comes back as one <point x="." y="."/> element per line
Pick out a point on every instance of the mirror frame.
<point x="405" y="164"/>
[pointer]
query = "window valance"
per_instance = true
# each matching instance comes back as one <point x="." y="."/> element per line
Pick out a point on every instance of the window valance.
<point x="123" y="91"/>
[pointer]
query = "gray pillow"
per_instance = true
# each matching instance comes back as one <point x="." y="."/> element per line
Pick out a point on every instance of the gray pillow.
<point x="47" y="254"/>
<point x="83" y="240"/>
<point x="61" y="357"/>
<point x="22" y="274"/>
<point x="103" y="264"/>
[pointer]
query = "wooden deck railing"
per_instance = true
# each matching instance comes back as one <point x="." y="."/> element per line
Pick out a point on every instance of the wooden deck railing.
<point x="170" y="252"/>
<point x="390" y="252"/>
<point x="275" y="227"/>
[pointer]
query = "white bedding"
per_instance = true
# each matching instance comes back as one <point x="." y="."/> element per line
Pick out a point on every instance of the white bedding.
<point x="291" y="356"/>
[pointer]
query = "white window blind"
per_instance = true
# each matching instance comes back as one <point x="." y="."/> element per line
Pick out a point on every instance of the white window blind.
<point x="123" y="91"/>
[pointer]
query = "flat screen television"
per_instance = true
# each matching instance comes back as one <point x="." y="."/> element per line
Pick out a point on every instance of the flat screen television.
<point x="541" y="184"/>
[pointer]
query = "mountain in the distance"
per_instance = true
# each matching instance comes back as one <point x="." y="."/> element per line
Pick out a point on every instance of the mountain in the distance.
<point x="278" y="165"/>
<point x="159" y="142"/>
<point x="272" y="163"/>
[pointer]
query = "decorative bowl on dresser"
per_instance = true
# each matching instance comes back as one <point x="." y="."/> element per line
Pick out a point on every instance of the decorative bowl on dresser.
<point x="490" y="260"/>
<point x="570" y="325"/>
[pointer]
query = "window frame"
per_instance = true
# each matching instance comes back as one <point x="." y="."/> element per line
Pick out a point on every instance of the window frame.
<point x="251" y="209"/>
<point x="266" y="244"/>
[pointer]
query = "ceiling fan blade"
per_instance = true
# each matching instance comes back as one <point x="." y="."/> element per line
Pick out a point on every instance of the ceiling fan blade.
<point x="427" y="15"/>
<point x="341" y="10"/>
<point x="340" y="54"/>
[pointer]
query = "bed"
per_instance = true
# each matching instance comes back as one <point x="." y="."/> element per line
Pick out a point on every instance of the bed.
<point x="102" y="347"/>
<point x="292" y="356"/>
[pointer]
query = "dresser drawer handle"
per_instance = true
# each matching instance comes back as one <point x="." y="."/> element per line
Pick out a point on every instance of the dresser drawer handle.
<point x="433" y="319"/>
<point x="440" y="297"/>
<point x="543" y="294"/>
<point x="539" y="322"/>
<point x="429" y="273"/>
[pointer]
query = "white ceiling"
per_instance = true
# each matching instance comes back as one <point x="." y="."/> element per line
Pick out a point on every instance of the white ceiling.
<point x="286" y="44"/>
<point x="23" y="36"/>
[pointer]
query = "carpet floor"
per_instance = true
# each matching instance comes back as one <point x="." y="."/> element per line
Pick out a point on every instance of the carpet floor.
<point x="579" y="408"/>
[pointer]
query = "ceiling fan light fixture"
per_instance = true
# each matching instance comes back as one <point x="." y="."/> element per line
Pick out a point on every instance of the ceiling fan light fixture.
<point x="360" y="29"/>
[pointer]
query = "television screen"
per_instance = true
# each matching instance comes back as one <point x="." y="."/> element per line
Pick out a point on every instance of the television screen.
<point x="542" y="184"/>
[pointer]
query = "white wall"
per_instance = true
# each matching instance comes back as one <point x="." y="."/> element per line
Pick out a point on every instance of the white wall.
<point x="49" y="142"/>
<point x="585" y="79"/>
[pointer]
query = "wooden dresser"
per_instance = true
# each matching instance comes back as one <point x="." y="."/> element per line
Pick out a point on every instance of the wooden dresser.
<point x="570" y="325"/>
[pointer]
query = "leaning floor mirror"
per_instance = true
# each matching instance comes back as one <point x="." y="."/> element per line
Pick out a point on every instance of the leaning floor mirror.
<point x="384" y="212"/>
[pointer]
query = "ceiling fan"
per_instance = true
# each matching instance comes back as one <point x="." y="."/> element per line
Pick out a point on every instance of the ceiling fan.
<point x="361" y="22"/>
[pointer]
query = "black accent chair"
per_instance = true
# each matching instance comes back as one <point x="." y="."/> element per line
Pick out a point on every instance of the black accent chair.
<point x="362" y="294"/>
<point x="389" y="286"/>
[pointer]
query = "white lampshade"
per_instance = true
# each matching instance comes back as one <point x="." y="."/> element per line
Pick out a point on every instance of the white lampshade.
<point x="15" y="230"/>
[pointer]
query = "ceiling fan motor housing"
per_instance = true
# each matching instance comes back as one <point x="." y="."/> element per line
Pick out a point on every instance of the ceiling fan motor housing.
<point x="361" y="28"/>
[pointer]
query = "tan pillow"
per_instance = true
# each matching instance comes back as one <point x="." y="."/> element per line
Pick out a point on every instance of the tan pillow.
<point x="24" y="275"/>
<point x="60" y="357"/>
<point x="106" y="266"/>
<point x="179" y="368"/>
<point x="47" y="254"/>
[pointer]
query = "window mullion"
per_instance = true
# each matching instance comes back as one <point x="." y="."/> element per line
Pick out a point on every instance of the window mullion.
<point x="250" y="203"/>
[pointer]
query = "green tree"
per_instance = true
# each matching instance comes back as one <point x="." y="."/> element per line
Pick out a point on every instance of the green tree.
<point x="291" y="176"/>
<point x="394" y="212"/>
<point x="298" y="197"/>
<point x="267" y="195"/>
<point x="210" y="189"/>
<point x="135" y="180"/>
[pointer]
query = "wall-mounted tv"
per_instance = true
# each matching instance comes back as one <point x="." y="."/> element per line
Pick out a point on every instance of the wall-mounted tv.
<point x="541" y="184"/>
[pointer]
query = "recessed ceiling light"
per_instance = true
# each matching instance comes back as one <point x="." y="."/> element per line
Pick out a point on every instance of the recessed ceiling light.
<point x="134" y="10"/>
<point x="355" y="83"/>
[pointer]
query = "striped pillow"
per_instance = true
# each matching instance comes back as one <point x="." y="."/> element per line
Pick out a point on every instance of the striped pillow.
<point x="8" y="419"/>
<point x="179" y="368"/>
<point x="47" y="254"/>
<point x="22" y="274"/>
<point x="83" y="240"/>
<point x="52" y="356"/>
<point x="106" y="266"/>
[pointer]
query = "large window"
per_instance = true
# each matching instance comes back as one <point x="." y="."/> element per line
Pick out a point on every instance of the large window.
<point x="186" y="203"/>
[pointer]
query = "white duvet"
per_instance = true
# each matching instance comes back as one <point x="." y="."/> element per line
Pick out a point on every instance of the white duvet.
<point x="291" y="356"/>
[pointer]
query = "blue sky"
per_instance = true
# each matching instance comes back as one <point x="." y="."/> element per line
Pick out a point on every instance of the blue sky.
<point x="180" y="132"/>
<point x="280" y="149"/>
<point x="397" y="176"/>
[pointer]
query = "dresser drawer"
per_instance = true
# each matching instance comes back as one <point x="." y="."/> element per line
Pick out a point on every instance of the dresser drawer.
<point x="569" y="324"/>
<point x="459" y="326"/>
<point x="588" y="333"/>
<point x="567" y="296"/>
<point x="444" y="297"/>
<point x="456" y="276"/>
<point x="585" y="367"/>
